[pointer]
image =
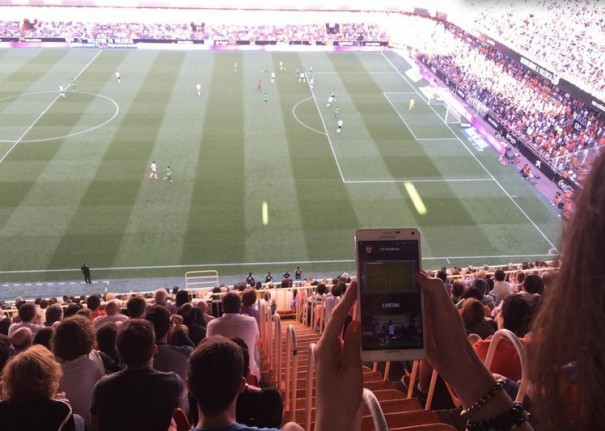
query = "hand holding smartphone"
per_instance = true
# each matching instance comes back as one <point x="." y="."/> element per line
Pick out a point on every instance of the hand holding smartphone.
<point x="389" y="298"/>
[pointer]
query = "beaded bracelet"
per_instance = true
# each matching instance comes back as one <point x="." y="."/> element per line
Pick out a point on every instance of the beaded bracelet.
<point x="469" y="412"/>
<point x="505" y="422"/>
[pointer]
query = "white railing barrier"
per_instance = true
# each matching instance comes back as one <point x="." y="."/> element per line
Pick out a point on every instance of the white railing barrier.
<point x="291" y="372"/>
<point x="380" y="422"/>
<point x="310" y="380"/>
<point x="277" y="349"/>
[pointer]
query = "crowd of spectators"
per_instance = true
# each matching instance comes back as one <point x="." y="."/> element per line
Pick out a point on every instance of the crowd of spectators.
<point x="565" y="36"/>
<point x="351" y="32"/>
<point x="535" y="109"/>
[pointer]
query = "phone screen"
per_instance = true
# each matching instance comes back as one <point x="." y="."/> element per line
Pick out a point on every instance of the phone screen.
<point x="390" y="302"/>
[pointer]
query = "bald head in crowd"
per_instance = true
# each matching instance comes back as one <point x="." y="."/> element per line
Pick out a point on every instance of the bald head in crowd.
<point x="22" y="339"/>
<point x="112" y="307"/>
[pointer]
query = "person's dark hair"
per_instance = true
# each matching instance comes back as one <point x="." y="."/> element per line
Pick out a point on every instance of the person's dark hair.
<point x="5" y="322"/>
<point x="5" y="344"/>
<point x="516" y="314"/>
<point x="136" y="307"/>
<point x="249" y="297"/>
<point x="457" y="289"/>
<point x="258" y="285"/>
<point x="43" y="337"/>
<point x="442" y="275"/>
<point x="73" y="338"/>
<point x="135" y="342"/>
<point x="481" y="285"/>
<point x="181" y="297"/>
<point x="533" y="284"/>
<point x="321" y="289"/>
<point x="473" y="292"/>
<point x="71" y="310"/>
<point x="93" y="302"/>
<point x="568" y="325"/>
<point x="520" y="276"/>
<point x="44" y="304"/>
<point x="242" y="344"/>
<point x="106" y="338"/>
<point x="336" y="290"/>
<point x="159" y="316"/>
<point x="27" y="312"/>
<point x="472" y="312"/>
<point x="194" y="316"/>
<point x="231" y="303"/>
<point x="500" y="275"/>
<point x="85" y="312"/>
<point x="19" y="302"/>
<point x="215" y="373"/>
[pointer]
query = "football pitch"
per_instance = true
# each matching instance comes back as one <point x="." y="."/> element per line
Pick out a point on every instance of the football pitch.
<point x="257" y="185"/>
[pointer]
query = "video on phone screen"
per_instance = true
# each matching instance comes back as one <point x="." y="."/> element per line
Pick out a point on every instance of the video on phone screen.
<point x="391" y="316"/>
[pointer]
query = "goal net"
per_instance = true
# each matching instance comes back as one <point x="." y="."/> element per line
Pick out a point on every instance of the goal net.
<point x="445" y="105"/>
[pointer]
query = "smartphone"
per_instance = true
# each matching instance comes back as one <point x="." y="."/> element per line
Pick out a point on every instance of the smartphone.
<point x="389" y="299"/>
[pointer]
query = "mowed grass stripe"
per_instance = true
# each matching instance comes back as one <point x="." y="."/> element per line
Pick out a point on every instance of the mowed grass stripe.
<point x="216" y="229"/>
<point x="96" y="230"/>
<point x="157" y="228"/>
<point x="325" y="208"/>
<point x="44" y="62"/>
<point x="268" y="172"/>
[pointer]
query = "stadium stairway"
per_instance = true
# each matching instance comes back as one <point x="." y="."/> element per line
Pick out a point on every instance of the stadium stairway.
<point x="400" y="412"/>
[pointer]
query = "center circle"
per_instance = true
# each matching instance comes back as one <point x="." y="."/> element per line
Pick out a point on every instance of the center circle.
<point x="116" y="109"/>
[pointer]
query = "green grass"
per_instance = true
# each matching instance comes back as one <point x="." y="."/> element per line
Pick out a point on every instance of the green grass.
<point x="74" y="186"/>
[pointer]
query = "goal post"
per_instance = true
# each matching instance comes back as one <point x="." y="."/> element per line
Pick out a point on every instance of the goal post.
<point x="446" y="106"/>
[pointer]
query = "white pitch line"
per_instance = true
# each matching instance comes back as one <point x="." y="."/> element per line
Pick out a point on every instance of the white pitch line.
<point x="209" y="265"/>
<point x="420" y="180"/>
<point x="248" y="264"/>
<point x="437" y="139"/>
<point x="400" y="92"/>
<point x="400" y="116"/>
<point x="479" y="162"/>
<point x="302" y="123"/>
<point x="326" y="131"/>
<point x="45" y="111"/>
<point x="454" y="138"/>
<point x="355" y="73"/>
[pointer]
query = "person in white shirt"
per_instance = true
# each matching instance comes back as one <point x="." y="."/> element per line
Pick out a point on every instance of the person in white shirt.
<point x="29" y="319"/>
<point x="82" y="366"/>
<point x="154" y="171"/>
<point x="502" y="288"/>
<point x="232" y="324"/>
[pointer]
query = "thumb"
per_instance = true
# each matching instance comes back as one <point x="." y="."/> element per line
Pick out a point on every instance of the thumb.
<point x="352" y="344"/>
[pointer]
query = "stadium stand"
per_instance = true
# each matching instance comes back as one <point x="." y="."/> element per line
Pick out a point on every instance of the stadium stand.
<point x="566" y="36"/>
<point x="529" y="105"/>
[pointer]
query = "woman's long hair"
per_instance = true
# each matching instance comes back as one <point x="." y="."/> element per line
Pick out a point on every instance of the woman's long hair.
<point x="569" y="330"/>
